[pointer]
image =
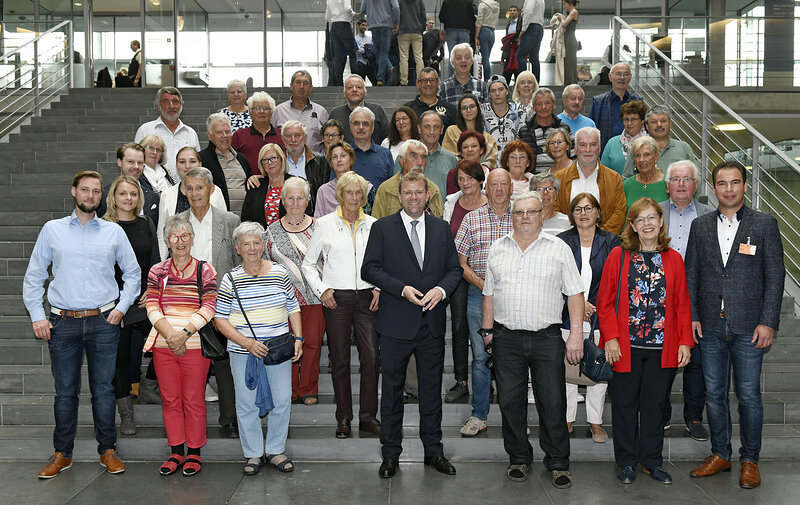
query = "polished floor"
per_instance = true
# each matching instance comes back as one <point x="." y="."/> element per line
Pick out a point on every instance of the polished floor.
<point x="358" y="483"/>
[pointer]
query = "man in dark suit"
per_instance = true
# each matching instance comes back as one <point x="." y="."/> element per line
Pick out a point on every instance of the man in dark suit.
<point x="411" y="256"/>
<point x="735" y="273"/>
<point x="680" y="210"/>
<point x="219" y="155"/>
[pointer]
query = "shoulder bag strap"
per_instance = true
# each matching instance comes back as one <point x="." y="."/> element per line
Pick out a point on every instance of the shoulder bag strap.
<point x="200" y="264"/>
<point x="619" y="279"/>
<point x="236" y="294"/>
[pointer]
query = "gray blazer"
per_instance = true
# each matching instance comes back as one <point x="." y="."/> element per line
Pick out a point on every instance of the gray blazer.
<point x="752" y="286"/>
<point x="702" y="209"/>
<point x="222" y="248"/>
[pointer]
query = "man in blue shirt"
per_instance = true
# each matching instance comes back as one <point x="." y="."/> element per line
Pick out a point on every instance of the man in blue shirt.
<point x="572" y="96"/>
<point x="373" y="162"/>
<point x="605" y="106"/>
<point x="86" y="308"/>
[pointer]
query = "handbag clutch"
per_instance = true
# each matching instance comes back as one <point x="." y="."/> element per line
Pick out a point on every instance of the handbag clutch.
<point x="213" y="344"/>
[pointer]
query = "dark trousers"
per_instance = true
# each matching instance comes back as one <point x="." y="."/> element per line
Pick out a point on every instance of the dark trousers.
<point x="125" y="349"/>
<point x="638" y="398"/>
<point x="352" y="311"/>
<point x="138" y="338"/>
<point x="226" y="391"/>
<point x="429" y="353"/>
<point x="542" y="353"/>
<point x="458" y="319"/>
<point x="343" y="44"/>
<point x="367" y="71"/>
<point x="694" y="390"/>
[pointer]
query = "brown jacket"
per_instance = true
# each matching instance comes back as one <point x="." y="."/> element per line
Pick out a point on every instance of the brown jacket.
<point x="612" y="195"/>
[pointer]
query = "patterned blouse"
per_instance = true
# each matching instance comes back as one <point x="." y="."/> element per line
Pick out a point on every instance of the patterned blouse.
<point x="238" y="119"/>
<point x="288" y="249"/>
<point x="176" y="299"/>
<point x="648" y="298"/>
<point x="272" y="204"/>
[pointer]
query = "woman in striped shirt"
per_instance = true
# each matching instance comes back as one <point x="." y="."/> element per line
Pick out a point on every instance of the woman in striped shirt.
<point x="177" y="310"/>
<point x="262" y="290"/>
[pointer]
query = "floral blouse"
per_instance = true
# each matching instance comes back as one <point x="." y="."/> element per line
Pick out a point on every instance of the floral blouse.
<point x="648" y="294"/>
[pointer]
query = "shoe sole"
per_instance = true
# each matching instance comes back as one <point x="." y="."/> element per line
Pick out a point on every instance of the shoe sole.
<point x="699" y="439"/>
<point x="725" y="470"/>
<point x="470" y="435"/>
<point x="651" y="476"/>
<point x="109" y="471"/>
<point x="55" y="475"/>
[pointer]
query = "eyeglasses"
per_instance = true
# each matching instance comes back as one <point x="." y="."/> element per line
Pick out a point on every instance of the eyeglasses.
<point x="427" y="80"/>
<point x="678" y="180"/>
<point x="546" y="189"/>
<point x="361" y="124"/>
<point x="185" y="237"/>
<point x="401" y="119"/>
<point x="556" y="143"/>
<point x="528" y="212"/>
<point x="271" y="159"/>
<point x="469" y="107"/>
<point x="155" y="149"/>
<point x="261" y="109"/>
<point x="651" y="219"/>
<point x="584" y="210"/>
<point x="331" y="135"/>
<point x="518" y="157"/>
<point x="418" y="194"/>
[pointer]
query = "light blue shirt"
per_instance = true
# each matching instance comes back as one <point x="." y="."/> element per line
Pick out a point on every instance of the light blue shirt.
<point x="576" y="124"/>
<point x="83" y="259"/>
<point x="297" y="169"/>
<point x="680" y="222"/>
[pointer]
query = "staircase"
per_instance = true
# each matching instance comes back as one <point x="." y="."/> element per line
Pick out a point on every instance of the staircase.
<point x="82" y="131"/>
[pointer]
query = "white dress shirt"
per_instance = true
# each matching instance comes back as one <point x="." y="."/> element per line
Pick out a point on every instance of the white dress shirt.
<point x="339" y="10"/>
<point x="202" y="246"/>
<point x="421" y="234"/>
<point x="726" y="233"/>
<point x="585" y="184"/>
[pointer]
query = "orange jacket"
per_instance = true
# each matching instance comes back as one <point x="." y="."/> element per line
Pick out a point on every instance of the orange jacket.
<point x="612" y="195"/>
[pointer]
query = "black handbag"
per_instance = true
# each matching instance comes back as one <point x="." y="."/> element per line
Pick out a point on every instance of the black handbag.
<point x="279" y="349"/>
<point x="213" y="344"/>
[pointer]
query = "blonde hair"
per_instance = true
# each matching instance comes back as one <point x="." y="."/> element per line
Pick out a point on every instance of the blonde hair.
<point x="347" y="181"/>
<point x="111" y="202"/>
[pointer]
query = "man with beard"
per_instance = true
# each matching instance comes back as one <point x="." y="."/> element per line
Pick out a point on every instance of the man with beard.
<point x="168" y="126"/>
<point x="86" y="308"/>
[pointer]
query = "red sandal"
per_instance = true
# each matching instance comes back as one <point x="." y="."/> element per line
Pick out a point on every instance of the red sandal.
<point x="193" y="465"/>
<point x="172" y="464"/>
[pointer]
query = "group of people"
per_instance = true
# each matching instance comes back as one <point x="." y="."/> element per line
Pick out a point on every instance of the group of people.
<point x="296" y="222"/>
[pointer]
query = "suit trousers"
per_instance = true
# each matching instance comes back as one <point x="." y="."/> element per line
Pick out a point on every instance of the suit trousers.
<point x="542" y="353"/>
<point x="226" y="391"/>
<point x="694" y="390"/>
<point x="352" y="312"/>
<point x="460" y="329"/>
<point x="637" y="409"/>
<point x="395" y="353"/>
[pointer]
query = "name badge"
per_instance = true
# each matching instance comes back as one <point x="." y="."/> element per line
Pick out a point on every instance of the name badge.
<point x="747" y="248"/>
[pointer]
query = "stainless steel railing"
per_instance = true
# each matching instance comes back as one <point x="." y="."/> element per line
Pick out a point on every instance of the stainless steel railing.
<point x="701" y="119"/>
<point x="34" y="73"/>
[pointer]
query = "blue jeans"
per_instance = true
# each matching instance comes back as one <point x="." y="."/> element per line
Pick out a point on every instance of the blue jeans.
<point x="455" y="36"/>
<point x="481" y="376"/>
<point x="722" y="349"/>
<point x="382" y="39"/>
<point x="529" y="49"/>
<point x="250" y="434"/>
<point x="486" y="38"/>
<point x="70" y="338"/>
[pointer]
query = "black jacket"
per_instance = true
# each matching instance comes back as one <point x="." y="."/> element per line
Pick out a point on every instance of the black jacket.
<point x="208" y="157"/>
<point x="458" y="14"/>
<point x="318" y="172"/>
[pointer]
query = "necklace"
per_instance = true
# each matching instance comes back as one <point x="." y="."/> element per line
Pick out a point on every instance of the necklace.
<point x="181" y="271"/>
<point x="303" y="220"/>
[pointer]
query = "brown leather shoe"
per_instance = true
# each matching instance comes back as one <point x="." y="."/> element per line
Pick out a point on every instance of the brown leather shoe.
<point x="55" y="465"/>
<point x="110" y="460"/>
<point x="750" y="476"/>
<point x="343" y="428"/>
<point x="712" y="465"/>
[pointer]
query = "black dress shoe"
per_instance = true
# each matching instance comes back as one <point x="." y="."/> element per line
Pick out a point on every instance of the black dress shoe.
<point x="229" y="430"/>
<point x="441" y="464"/>
<point x="388" y="468"/>
<point x="343" y="429"/>
<point x="372" y="427"/>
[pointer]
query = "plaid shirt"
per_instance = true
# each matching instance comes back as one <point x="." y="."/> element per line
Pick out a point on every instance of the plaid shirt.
<point x="605" y="114"/>
<point x="478" y="230"/>
<point x="450" y="90"/>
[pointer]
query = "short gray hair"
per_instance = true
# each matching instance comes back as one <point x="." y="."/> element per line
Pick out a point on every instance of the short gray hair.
<point x="168" y="90"/>
<point x="658" y="109"/>
<point x="526" y="196"/>
<point x="236" y="82"/>
<point x="177" y="222"/>
<point x="291" y="124"/>
<point x="261" y="96"/>
<point x="569" y="89"/>
<point x="430" y="113"/>
<point x="683" y="163"/>
<point x="301" y="72"/>
<point x="464" y="46"/>
<point x="297" y="183"/>
<point x="248" y="228"/>
<point x="201" y="173"/>
<point x="218" y="117"/>
<point x="408" y="143"/>
<point x="544" y="91"/>
<point x="645" y="140"/>
<point x="545" y="177"/>
<point x="588" y="130"/>
<point x="362" y="110"/>
<point x="355" y="76"/>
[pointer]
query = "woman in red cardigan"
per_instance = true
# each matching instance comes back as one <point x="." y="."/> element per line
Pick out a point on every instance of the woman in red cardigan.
<point x="645" y="339"/>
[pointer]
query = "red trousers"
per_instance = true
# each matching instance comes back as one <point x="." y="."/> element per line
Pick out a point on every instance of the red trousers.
<point x="305" y="373"/>
<point x="182" y="380"/>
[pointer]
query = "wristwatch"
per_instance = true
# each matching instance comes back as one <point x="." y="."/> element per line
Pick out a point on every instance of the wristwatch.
<point x="485" y="332"/>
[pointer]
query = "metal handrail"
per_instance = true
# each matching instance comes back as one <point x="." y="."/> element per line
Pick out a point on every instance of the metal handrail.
<point x="38" y="37"/>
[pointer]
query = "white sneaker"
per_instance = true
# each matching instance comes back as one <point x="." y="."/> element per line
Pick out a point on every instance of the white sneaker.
<point x="211" y="395"/>
<point x="531" y="398"/>
<point x="473" y="426"/>
<point x="581" y="398"/>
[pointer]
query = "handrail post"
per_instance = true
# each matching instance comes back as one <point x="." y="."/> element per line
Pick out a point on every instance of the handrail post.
<point x="636" y="67"/>
<point x="617" y="43"/>
<point x="755" y="197"/>
<point x="704" y="146"/>
<point x="70" y="57"/>
<point x="35" y="76"/>
<point x="665" y="78"/>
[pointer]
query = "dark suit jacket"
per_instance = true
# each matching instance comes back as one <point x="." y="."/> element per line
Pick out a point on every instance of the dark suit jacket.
<point x="151" y="199"/>
<point x="208" y="157"/>
<point x="752" y="286"/>
<point x="390" y="264"/>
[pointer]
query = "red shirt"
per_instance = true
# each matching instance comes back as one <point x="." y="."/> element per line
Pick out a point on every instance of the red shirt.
<point x="249" y="142"/>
